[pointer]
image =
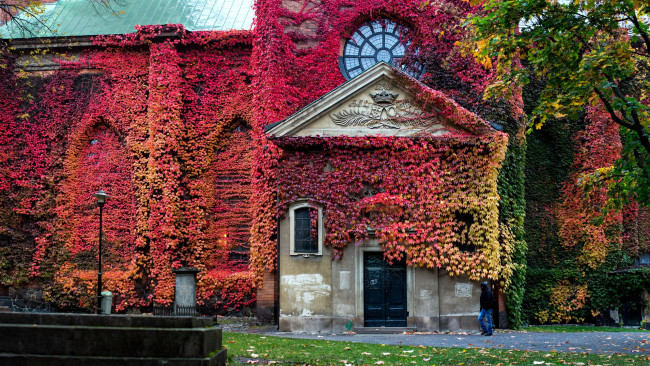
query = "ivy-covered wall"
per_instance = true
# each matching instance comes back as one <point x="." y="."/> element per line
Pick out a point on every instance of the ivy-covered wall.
<point x="170" y="124"/>
<point x="163" y="124"/>
<point x="305" y="38"/>
<point x="172" y="127"/>
<point x="579" y="249"/>
<point x="433" y="200"/>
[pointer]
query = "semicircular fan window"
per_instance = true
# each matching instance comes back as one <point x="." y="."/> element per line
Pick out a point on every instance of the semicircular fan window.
<point x="374" y="42"/>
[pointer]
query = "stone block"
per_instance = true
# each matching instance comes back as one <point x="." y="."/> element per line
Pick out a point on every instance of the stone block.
<point x="426" y="323"/>
<point x="76" y="339"/>
<point x="105" y="321"/>
<point x="217" y="359"/>
<point x="108" y="341"/>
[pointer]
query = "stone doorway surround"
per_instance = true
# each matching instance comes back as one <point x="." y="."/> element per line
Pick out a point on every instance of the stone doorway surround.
<point x="372" y="246"/>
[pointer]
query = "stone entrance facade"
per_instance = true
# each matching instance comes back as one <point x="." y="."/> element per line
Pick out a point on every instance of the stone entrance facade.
<point x="317" y="293"/>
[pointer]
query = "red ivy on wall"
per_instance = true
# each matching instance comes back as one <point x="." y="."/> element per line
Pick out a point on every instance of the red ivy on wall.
<point x="298" y="38"/>
<point x="580" y="214"/>
<point x="421" y="188"/>
<point x="168" y="108"/>
<point x="150" y="120"/>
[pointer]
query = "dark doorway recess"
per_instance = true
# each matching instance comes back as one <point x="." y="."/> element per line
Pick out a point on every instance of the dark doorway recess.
<point x="384" y="292"/>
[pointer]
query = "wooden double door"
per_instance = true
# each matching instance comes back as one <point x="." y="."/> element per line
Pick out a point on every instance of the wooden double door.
<point x="384" y="292"/>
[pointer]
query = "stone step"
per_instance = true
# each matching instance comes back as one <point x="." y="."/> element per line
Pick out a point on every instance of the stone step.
<point x="385" y="330"/>
<point x="106" y="320"/>
<point x="48" y="360"/>
<point x="108" y="341"/>
<point x="76" y="339"/>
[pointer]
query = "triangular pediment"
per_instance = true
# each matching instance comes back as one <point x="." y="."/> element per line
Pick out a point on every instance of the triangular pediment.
<point x="373" y="103"/>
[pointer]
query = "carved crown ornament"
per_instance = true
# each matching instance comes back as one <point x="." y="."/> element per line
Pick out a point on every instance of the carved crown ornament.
<point x="385" y="111"/>
<point x="384" y="97"/>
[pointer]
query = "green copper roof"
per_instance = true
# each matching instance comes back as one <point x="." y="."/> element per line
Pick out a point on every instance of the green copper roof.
<point x="89" y="18"/>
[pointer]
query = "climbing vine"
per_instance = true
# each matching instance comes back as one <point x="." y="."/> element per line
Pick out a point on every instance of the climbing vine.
<point x="582" y="248"/>
<point x="150" y="120"/>
<point x="304" y="38"/>
<point x="426" y="186"/>
<point x="177" y="114"/>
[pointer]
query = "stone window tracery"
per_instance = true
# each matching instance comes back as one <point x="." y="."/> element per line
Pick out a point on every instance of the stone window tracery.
<point x="374" y="42"/>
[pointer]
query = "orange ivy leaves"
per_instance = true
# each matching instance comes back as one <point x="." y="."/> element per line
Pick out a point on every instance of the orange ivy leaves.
<point x="565" y="299"/>
<point x="145" y="118"/>
<point x="421" y="187"/>
<point x="296" y="39"/>
<point x="583" y="225"/>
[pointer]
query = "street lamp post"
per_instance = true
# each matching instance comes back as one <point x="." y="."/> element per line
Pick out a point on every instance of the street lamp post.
<point x="101" y="199"/>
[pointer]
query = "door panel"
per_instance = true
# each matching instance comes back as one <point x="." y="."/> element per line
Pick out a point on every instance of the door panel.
<point x="384" y="292"/>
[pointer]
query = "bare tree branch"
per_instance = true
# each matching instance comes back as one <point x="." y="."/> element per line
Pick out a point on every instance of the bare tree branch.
<point x="26" y="15"/>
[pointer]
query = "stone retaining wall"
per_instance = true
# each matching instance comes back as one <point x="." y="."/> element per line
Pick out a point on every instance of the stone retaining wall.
<point x="80" y="339"/>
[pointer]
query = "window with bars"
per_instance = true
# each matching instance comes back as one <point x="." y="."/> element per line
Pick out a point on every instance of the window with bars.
<point x="306" y="229"/>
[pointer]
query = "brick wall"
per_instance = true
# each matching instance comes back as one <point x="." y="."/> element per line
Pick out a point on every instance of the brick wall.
<point x="303" y="33"/>
<point x="501" y="318"/>
<point x="266" y="298"/>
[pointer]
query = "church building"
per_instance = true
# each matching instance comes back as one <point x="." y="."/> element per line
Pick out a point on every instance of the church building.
<point x="332" y="163"/>
<point x="379" y="160"/>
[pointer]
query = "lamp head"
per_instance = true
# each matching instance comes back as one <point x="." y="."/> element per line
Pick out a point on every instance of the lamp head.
<point x="101" y="197"/>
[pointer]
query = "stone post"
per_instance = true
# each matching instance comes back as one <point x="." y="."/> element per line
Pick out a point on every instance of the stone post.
<point x="185" y="291"/>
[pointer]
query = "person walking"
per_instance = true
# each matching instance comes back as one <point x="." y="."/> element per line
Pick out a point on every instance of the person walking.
<point x="485" y="317"/>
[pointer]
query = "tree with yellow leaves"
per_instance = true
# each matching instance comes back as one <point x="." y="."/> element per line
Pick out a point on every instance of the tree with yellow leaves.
<point x="586" y="51"/>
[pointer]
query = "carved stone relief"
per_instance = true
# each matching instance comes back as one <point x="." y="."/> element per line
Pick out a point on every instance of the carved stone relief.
<point x="385" y="111"/>
<point x="463" y="290"/>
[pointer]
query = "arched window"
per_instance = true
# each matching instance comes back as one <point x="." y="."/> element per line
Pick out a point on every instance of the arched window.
<point x="306" y="229"/>
<point x="373" y="42"/>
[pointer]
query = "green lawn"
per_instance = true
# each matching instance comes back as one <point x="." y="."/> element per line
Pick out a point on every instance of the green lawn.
<point x="577" y="328"/>
<point x="291" y="351"/>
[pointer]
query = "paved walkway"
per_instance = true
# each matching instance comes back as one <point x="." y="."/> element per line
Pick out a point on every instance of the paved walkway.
<point x="589" y="342"/>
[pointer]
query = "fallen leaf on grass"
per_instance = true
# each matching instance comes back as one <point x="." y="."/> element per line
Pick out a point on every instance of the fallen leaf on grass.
<point x="365" y="353"/>
<point x="385" y="353"/>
